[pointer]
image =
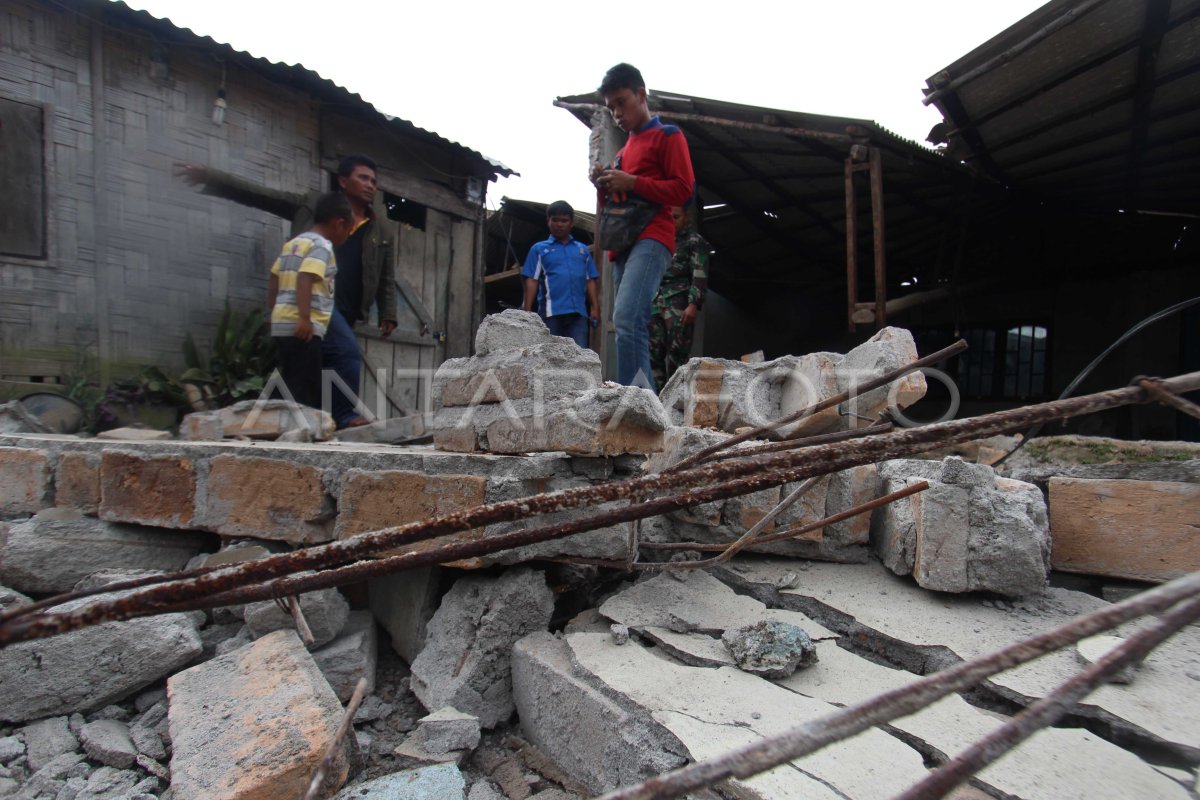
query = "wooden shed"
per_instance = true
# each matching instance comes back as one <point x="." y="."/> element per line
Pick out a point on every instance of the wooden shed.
<point x="107" y="260"/>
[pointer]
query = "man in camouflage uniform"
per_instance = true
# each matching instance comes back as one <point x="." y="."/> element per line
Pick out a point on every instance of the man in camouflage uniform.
<point x="677" y="304"/>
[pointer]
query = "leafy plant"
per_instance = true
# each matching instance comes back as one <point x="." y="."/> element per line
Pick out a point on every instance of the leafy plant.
<point x="243" y="355"/>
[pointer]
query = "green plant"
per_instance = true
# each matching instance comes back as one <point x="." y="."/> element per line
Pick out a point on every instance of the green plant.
<point x="243" y="355"/>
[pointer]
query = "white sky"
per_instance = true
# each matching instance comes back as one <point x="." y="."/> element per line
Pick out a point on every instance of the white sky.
<point x="485" y="74"/>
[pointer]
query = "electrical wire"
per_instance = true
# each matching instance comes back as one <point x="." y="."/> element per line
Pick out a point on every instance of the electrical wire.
<point x="1150" y="320"/>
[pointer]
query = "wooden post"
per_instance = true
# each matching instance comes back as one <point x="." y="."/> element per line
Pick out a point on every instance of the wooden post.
<point x="876" y="162"/>
<point x="851" y="245"/>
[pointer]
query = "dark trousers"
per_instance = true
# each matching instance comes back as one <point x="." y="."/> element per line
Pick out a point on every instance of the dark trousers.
<point x="573" y="326"/>
<point x="340" y="350"/>
<point x="300" y="368"/>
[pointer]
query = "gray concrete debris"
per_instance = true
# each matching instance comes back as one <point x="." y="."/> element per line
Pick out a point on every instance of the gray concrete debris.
<point x="134" y="435"/>
<point x="511" y="328"/>
<point x="147" y="742"/>
<point x="256" y="419"/>
<point x="770" y="649"/>
<point x="449" y="729"/>
<point x="415" y="749"/>
<point x="50" y="778"/>
<point x="56" y="548"/>
<point x="620" y="633"/>
<point x="970" y="531"/>
<point x="108" y="742"/>
<point x="110" y="782"/>
<point x="352" y="655"/>
<point x="728" y="395"/>
<point x="403" y="603"/>
<point x="46" y="739"/>
<point x="934" y="630"/>
<point x="394" y="430"/>
<point x="15" y="418"/>
<point x="92" y="667"/>
<point x="11" y="748"/>
<point x="438" y="782"/>
<point x="465" y="662"/>
<point x="325" y="611"/>
<point x="483" y="789"/>
<point x="240" y="639"/>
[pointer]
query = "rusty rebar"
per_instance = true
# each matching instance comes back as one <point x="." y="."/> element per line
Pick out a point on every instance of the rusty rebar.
<point x="792" y="533"/>
<point x="302" y="629"/>
<point x="1053" y="706"/>
<point x="764" y="754"/>
<point x="1181" y="404"/>
<point x="807" y="441"/>
<point x="815" y="408"/>
<point x="247" y="579"/>
<point x="326" y="765"/>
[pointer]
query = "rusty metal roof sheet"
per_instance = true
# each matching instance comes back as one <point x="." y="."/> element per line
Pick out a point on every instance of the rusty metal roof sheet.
<point x="1088" y="102"/>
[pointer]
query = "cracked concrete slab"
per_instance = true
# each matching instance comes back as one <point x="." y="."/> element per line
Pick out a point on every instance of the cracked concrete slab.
<point x="696" y="601"/>
<point x="1055" y="764"/>
<point x="714" y="710"/>
<point x="941" y="627"/>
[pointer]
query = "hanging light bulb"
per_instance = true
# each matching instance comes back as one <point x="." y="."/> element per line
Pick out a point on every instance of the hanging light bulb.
<point x="218" y="111"/>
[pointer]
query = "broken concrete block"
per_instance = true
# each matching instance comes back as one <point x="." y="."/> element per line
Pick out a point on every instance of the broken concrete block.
<point x="147" y="490"/>
<point x="449" y="729"/>
<point x="1145" y="530"/>
<point x="269" y="419"/>
<point x="543" y="372"/>
<point x="110" y="782"/>
<point x="77" y="482"/>
<point x="24" y="480"/>
<point x="770" y="648"/>
<point x="267" y="499"/>
<point x="147" y="742"/>
<point x="941" y="532"/>
<point x="11" y="748"/>
<point x="57" y="548"/>
<point x="352" y="655"/>
<point x="510" y="329"/>
<point x="413" y="748"/>
<point x="808" y="380"/>
<point x="465" y="662"/>
<point x="202" y="426"/>
<point x="46" y="739"/>
<point x="92" y="667"/>
<point x="51" y="777"/>
<point x="1009" y="539"/>
<point x="324" y="610"/>
<point x="438" y="782"/>
<point x="403" y="603"/>
<point x="15" y="418"/>
<point x="888" y="349"/>
<point x="848" y="489"/>
<point x="264" y="713"/>
<point x="108" y="741"/>
<point x="393" y="430"/>
<point x="596" y="738"/>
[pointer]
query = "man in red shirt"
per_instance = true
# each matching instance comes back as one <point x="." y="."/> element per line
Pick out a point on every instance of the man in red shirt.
<point x="655" y="165"/>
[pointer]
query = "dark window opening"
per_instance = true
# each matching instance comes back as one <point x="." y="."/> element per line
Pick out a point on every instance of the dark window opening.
<point x="1005" y="363"/>
<point x="22" y="163"/>
<point x="401" y="209"/>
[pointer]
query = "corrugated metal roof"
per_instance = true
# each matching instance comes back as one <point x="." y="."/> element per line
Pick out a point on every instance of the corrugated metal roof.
<point x="1091" y="102"/>
<point x="300" y="77"/>
<point x="773" y="186"/>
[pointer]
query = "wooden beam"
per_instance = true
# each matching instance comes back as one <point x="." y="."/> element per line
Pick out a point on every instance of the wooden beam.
<point x="1153" y="30"/>
<point x="851" y="245"/>
<point x="877" y="227"/>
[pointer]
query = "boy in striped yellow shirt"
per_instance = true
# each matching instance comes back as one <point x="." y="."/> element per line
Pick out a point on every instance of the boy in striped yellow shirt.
<point x="300" y="293"/>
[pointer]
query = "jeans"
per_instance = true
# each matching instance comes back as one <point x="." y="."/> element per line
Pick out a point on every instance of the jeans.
<point x="339" y="351"/>
<point x="573" y="326"/>
<point x="635" y="281"/>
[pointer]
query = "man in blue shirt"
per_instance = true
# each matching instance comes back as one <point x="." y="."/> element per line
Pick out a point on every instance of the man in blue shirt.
<point x="560" y="275"/>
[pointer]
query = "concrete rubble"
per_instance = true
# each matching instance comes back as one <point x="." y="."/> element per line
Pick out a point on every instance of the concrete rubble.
<point x="549" y="671"/>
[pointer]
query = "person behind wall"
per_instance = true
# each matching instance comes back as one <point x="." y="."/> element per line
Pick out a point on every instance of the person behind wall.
<point x="656" y="166"/>
<point x="678" y="301"/>
<point x="365" y="260"/>
<point x="300" y="296"/>
<point x="560" y="276"/>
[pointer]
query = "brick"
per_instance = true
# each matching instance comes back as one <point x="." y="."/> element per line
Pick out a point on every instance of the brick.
<point x="373" y="500"/>
<point x="704" y="409"/>
<point x="1145" y="530"/>
<point x="24" y="480"/>
<point x="77" y="482"/>
<point x="267" y="499"/>
<point x="263" y="712"/>
<point x="149" y="490"/>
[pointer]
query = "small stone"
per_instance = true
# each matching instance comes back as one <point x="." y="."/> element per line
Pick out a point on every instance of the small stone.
<point x="48" y="738"/>
<point x="438" y="782"/>
<point x="770" y="649"/>
<point x="371" y="709"/>
<point x="147" y="742"/>
<point x="449" y="729"/>
<point x="108" y="741"/>
<point x="620" y="633"/>
<point x="11" y="748"/>
<point x="153" y="767"/>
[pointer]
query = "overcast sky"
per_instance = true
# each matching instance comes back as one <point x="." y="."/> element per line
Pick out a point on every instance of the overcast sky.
<point x="485" y="74"/>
